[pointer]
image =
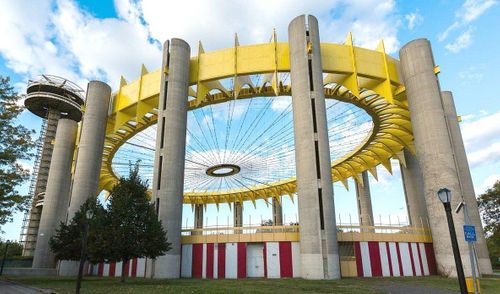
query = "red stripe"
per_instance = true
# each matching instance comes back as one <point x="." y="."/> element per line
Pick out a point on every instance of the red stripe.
<point x="100" y="269"/>
<point x="197" y="262"/>
<point x="389" y="258"/>
<point x="210" y="261"/>
<point x="359" y="262"/>
<point x="134" y="267"/>
<point x="286" y="267"/>
<point x="127" y="268"/>
<point x="400" y="262"/>
<point x="112" y="268"/>
<point x="242" y="260"/>
<point x="265" y="259"/>
<point x="431" y="259"/>
<point x="420" y="260"/>
<point x="221" y="261"/>
<point x="375" y="262"/>
<point x="411" y="259"/>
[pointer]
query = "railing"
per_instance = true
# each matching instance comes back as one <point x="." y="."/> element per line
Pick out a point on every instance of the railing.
<point x="345" y="233"/>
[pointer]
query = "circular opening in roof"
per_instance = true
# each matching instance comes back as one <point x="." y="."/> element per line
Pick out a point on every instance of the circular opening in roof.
<point x="223" y="170"/>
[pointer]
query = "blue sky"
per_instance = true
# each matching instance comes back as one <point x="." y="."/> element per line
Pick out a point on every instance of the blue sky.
<point x="84" y="40"/>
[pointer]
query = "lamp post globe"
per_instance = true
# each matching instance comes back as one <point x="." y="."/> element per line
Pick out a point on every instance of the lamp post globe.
<point x="444" y="194"/>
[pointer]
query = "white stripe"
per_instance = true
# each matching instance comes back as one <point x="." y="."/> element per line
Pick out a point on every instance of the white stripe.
<point x="118" y="269"/>
<point x="365" y="259"/>
<point x="141" y="267"/>
<point x="405" y="259"/>
<point x="384" y="260"/>
<point x="416" y="260"/>
<point x="273" y="260"/>
<point x="394" y="259"/>
<point x="231" y="260"/>
<point x="425" y="265"/>
<point x="204" y="262"/>
<point x="216" y="260"/>
<point x="296" y="259"/>
<point x="187" y="260"/>
<point x="105" y="272"/>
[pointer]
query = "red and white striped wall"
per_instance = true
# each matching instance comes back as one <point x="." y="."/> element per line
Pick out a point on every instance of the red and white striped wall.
<point x="394" y="259"/>
<point x="276" y="260"/>
<point x="240" y="260"/>
<point x="136" y="267"/>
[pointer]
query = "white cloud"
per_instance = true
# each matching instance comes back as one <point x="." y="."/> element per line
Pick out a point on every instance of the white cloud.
<point x="62" y="39"/>
<point x="414" y="19"/>
<point x="488" y="183"/>
<point x="466" y="14"/>
<point x="461" y="42"/>
<point x="280" y="103"/>
<point x="472" y="74"/>
<point x="481" y="139"/>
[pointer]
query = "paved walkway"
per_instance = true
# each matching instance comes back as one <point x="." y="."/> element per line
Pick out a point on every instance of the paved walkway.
<point x="401" y="288"/>
<point x="7" y="287"/>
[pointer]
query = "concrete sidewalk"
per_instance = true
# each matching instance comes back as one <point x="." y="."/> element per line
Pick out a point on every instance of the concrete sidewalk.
<point x="8" y="287"/>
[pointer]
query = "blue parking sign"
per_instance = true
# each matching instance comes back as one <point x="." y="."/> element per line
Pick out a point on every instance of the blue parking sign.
<point x="470" y="233"/>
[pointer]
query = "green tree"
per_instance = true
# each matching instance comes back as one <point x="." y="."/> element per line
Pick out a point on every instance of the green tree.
<point x="15" y="145"/>
<point x="67" y="241"/>
<point x="14" y="249"/>
<point x="136" y="230"/>
<point x="489" y="206"/>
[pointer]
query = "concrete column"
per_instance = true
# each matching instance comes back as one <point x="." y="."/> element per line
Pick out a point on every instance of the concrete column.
<point x="53" y="116"/>
<point x="434" y="150"/>
<point x="57" y="192"/>
<point x="89" y="155"/>
<point x="318" y="236"/>
<point x="238" y="214"/>
<point x="466" y="181"/>
<point x="364" y="200"/>
<point x="413" y="185"/>
<point x="277" y="213"/>
<point x="198" y="217"/>
<point x="168" y="177"/>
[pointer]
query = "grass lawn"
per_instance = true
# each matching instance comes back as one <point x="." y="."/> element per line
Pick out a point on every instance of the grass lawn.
<point x="352" y="285"/>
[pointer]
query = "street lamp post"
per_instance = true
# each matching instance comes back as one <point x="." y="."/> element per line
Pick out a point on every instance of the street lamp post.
<point x="88" y="216"/>
<point x="4" y="256"/>
<point x="445" y="196"/>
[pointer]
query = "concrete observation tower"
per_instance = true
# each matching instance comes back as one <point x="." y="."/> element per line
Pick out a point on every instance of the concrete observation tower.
<point x="59" y="102"/>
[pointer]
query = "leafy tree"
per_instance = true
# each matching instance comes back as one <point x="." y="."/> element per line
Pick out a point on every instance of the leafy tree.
<point x="128" y="227"/>
<point x="15" y="145"/>
<point x="489" y="205"/>
<point x="268" y="222"/>
<point x="136" y="230"/>
<point x="67" y="241"/>
<point x="14" y="249"/>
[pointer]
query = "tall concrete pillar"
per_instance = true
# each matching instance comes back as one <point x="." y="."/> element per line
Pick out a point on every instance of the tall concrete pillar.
<point x="434" y="150"/>
<point x="56" y="198"/>
<point x="53" y="116"/>
<point x="318" y="236"/>
<point x="364" y="201"/>
<point x="89" y="155"/>
<point x="277" y="213"/>
<point x="168" y="177"/>
<point x="465" y="178"/>
<point x="238" y="214"/>
<point x="413" y="185"/>
<point x="198" y="217"/>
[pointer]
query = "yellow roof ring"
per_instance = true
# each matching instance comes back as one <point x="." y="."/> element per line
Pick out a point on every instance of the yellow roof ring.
<point x="134" y="109"/>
